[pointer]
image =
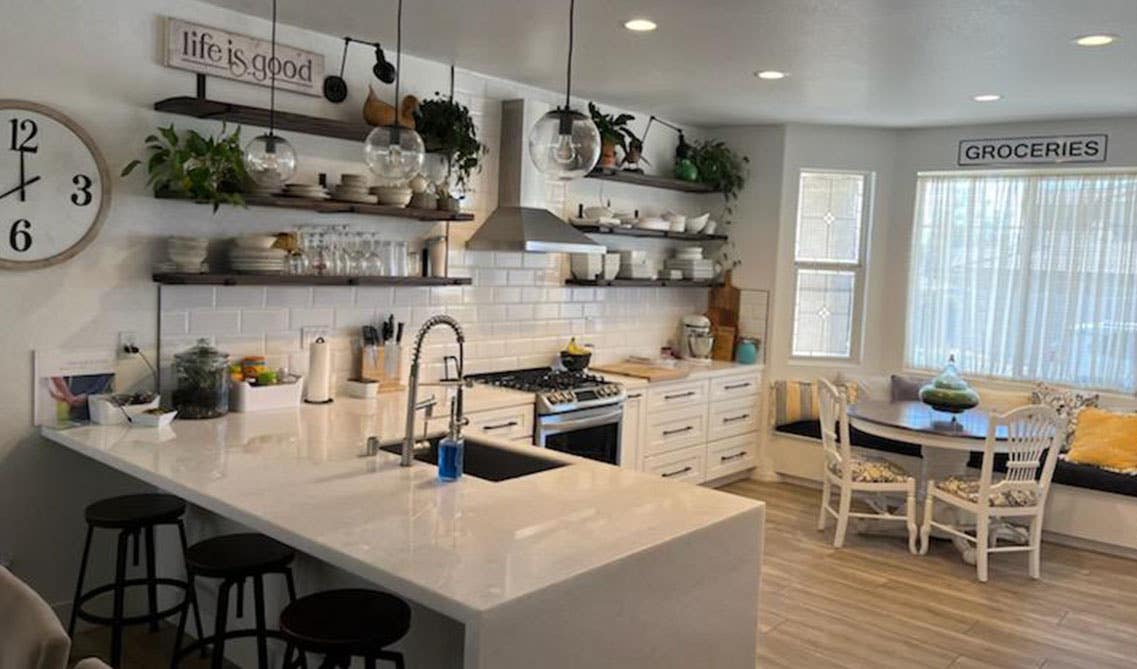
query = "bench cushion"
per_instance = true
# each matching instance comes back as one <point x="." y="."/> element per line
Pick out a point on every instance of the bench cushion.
<point x="812" y="429"/>
<point x="1075" y="475"/>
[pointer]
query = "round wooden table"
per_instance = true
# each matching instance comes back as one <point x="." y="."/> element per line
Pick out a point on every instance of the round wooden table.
<point x="946" y="441"/>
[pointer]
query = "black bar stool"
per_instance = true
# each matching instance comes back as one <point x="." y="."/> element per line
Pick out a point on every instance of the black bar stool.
<point x="342" y="624"/>
<point x="135" y="517"/>
<point x="233" y="558"/>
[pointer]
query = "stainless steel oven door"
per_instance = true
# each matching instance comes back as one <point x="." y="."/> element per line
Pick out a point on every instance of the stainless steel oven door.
<point x="590" y="433"/>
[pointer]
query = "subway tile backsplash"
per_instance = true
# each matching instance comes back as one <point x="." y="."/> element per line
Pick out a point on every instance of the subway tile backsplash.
<point x="518" y="313"/>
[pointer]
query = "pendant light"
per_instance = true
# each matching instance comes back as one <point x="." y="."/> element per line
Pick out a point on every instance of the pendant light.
<point x="271" y="160"/>
<point x="565" y="144"/>
<point x="393" y="152"/>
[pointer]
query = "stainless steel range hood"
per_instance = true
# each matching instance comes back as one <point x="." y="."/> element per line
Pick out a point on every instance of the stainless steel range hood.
<point x="522" y="221"/>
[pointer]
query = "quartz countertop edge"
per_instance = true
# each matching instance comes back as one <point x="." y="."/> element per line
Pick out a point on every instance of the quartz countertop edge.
<point x="461" y="548"/>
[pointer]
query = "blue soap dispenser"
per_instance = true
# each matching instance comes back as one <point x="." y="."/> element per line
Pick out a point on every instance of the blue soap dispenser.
<point x="452" y="448"/>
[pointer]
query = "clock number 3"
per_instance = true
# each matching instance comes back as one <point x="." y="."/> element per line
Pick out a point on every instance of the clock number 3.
<point x="20" y="236"/>
<point x="83" y="197"/>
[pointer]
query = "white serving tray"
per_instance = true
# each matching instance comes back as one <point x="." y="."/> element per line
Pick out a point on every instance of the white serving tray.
<point x="245" y="397"/>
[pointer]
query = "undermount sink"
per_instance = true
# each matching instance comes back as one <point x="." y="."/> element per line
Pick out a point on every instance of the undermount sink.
<point x="484" y="461"/>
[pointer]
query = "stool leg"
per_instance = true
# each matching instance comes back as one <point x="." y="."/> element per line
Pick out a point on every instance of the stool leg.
<point x="291" y="586"/>
<point x="190" y="592"/>
<point x="79" y="585"/>
<point x="190" y="599"/>
<point x="119" y="592"/>
<point x="259" y="603"/>
<point x="151" y="575"/>
<point x="222" y="615"/>
<point x="393" y="657"/>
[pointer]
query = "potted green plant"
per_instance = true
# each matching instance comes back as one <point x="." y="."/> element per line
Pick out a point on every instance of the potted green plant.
<point x="207" y="169"/>
<point x="447" y="128"/>
<point x="633" y="154"/>
<point x="613" y="132"/>
<point x="724" y="170"/>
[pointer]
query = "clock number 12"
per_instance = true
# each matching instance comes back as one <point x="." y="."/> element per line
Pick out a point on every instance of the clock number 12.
<point x="30" y="130"/>
<point x="20" y="236"/>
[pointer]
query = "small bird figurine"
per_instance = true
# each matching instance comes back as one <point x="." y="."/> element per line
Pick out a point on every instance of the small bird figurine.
<point x="379" y="113"/>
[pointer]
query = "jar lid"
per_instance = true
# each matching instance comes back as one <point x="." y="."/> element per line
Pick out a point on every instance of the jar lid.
<point x="202" y="353"/>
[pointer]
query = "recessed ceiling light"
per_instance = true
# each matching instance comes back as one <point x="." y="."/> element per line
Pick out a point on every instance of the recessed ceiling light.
<point x="987" y="97"/>
<point x="770" y="74"/>
<point x="1094" y="40"/>
<point x="640" y="25"/>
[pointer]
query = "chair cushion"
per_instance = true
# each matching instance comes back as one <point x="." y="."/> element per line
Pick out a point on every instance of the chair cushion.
<point x="872" y="470"/>
<point x="1106" y="439"/>
<point x="812" y="429"/>
<point x="967" y="487"/>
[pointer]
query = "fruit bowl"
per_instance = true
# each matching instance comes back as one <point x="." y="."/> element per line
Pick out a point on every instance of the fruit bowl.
<point x="575" y="362"/>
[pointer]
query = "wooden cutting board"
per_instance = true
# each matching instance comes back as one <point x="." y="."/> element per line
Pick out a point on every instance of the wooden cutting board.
<point x="639" y="370"/>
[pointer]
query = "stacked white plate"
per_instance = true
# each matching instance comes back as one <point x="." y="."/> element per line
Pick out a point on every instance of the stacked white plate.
<point x="691" y="262"/>
<point x="265" y="191"/>
<point x="257" y="260"/>
<point x="353" y="188"/>
<point x="308" y="191"/>
<point x="187" y="253"/>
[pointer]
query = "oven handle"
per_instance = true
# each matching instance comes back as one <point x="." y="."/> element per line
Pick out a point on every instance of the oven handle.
<point x="569" y="425"/>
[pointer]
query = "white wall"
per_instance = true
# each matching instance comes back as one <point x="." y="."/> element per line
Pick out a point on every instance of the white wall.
<point x="99" y="62"/>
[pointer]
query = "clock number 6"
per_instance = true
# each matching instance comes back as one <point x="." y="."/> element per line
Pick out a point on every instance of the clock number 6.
<point x="83" y="197"/>
<point x="20" y="236"/>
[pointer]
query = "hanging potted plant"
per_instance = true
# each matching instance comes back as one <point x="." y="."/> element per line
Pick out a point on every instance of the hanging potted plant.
<point x="448" y="129"/>
<point x="725" y="171"/>
<point x="613" y="132"/>
<point x="206" y="169"/>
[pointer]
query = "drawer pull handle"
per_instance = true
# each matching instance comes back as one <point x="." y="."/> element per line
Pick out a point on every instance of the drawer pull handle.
<point x="689" y="393"/>
<point x="636" y="396"/>
<point x="668" y="433"/>
<point x="501" y="426"/>
<point x="677" y="472"/>
<point x="728" y="458"/>
<point x="735" y="419"/>
<point x="737" y="386"/>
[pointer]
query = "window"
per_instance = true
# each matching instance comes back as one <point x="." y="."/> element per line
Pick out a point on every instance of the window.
<point x="829" y="262"/>
<point x="1030" y="277"/>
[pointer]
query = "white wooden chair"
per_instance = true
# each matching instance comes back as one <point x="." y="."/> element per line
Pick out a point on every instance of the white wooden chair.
<point x="1032" y="432"/>
<point x="855" y="473"/>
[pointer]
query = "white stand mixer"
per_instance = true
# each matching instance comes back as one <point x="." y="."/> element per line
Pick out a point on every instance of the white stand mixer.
<point x="695" y="339"/>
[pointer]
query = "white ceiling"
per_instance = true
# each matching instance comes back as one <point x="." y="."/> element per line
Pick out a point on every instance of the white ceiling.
<point x="894" y="63"/>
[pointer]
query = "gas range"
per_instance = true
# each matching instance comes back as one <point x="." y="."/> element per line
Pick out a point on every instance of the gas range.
<point x="557" y="390"/>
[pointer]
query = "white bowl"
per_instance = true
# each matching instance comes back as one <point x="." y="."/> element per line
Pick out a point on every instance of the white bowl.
<point x="611" y="265"/>
<point x="673" y="218"/>
<point x="653" y="224"/>
<point x="395" y="196"/>
<point x="678" y="225"/>
<point x="695" y="224"/>
<point x="153" y="419"/>
<point x="709" y="229"/>
<point x="597" y="212"/>
<point x="586" y="266"/>
<point x="255" y="241"/>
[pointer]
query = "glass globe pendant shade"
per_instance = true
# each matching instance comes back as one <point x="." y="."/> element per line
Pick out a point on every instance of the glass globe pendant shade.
<point x="394" y="153"/>
<point x="564" y="144"/>
<point x="270" y="161"/>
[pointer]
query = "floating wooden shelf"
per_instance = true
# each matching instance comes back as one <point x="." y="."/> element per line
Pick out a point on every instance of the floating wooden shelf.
<point x="667" y="183"/>
<point x="642" y="283"/>
<point x="233" y="279"/>
<point x="338" y="207"/>
<point x="656" y="234"/>
<point x="258" y="116"/>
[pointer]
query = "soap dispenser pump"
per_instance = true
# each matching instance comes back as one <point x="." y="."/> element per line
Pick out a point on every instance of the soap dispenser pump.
<point x="452" y="447"/>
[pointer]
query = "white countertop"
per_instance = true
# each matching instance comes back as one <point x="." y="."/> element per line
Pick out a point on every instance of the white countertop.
<point x="460" y="548"/>
<point x="695" y="372"/>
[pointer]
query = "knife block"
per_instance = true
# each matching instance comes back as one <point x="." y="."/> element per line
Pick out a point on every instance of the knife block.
<point x="385" y="366"/>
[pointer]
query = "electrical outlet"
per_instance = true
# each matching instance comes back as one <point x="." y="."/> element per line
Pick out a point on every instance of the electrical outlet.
<point x="127" y="344"/>
<point x="310" y="334"/>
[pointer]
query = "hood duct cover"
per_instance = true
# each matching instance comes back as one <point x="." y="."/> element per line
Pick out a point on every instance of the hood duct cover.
<point x="530" y="229"/>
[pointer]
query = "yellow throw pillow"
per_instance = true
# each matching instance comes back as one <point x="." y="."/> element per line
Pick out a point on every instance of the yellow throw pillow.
<point x="1105" y="439"/>
<point x="794" y="401"/>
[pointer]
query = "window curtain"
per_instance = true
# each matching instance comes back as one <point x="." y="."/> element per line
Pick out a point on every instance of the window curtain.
<point x="1026" y="277"/>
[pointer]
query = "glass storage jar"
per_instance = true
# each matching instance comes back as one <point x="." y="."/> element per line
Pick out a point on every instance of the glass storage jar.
<point x="202" y="374"/>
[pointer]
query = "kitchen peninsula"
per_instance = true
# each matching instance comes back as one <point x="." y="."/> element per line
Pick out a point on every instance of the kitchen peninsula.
<point x="582" y="565"/>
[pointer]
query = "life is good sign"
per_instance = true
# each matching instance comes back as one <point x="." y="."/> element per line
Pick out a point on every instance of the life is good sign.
<point x="198" y="48"/>
<point x="1033" y="150"/>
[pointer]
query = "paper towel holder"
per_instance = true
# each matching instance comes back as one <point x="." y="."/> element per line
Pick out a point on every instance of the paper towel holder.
<point x="317" y="340"/>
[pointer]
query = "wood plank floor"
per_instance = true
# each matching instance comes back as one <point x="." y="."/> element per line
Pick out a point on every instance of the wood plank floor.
<point x="872" y="604"/>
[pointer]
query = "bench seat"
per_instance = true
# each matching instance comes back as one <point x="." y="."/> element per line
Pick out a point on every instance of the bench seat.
<point x="1076" y="475"/>
<point x="812" y="429"/>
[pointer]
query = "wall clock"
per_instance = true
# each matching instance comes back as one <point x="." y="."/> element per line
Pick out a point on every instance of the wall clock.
<point x="54" y="186"/>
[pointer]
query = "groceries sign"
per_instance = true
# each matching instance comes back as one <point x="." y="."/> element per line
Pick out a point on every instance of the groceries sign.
<point x="1033" y="150"/>
<point x="198" y="48"/>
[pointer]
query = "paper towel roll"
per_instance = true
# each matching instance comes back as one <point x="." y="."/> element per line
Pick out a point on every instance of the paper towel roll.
<point x="319" y="372"/>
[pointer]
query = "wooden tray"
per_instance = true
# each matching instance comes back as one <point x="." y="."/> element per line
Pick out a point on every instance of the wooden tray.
<point x="638" y="370"/>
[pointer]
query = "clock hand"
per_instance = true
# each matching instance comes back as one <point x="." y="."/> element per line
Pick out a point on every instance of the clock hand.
<point x="19" y="188"/>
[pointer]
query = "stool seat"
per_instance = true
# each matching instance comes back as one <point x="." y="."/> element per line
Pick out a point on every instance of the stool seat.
<point x="349" y="622"/>
<point x="237" y="555"/>
<point x="135" y="511"/>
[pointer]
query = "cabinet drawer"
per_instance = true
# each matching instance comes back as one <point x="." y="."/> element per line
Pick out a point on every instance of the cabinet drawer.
<point x="731" y="419"/>
<point x="734" y="387"/>
<point x="676" y="396"/>
<point x="688" y="465"/>
<point x="731" y="455"/>
<point x="510" y="423"/>
<point x="676" y="430"/>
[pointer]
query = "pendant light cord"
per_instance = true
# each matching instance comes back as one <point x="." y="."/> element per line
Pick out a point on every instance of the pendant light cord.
<point x="272" y="78"/>
<point x="568" y="74"/>
<point x="398" y="60"/>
